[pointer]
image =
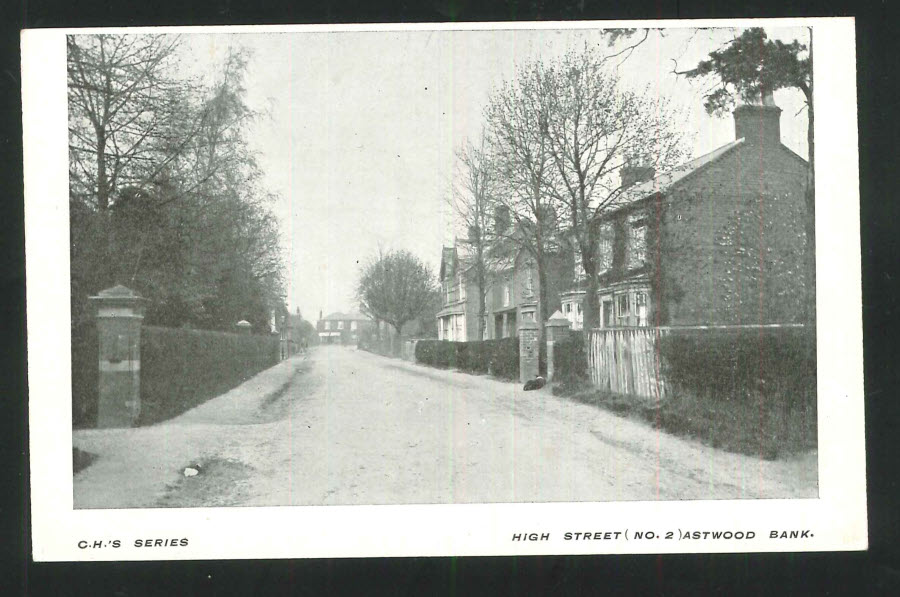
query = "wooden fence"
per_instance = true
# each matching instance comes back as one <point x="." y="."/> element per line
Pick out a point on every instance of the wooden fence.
<point x="626" y="361"/>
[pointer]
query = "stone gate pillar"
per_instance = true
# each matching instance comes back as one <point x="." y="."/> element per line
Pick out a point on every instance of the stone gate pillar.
<point x="529" y="350"/>
<point x="120" y="313"/>
<point x="557" y="330"/>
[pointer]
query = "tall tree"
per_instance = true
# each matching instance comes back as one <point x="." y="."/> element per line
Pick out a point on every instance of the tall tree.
<point x="165" y="194"/>
<point x="473" y="202"/>
<point x="750" y="67"/>
<point x="595" y="128"/>
<point x="395" y="287"/>
<point x="516" y="117"/>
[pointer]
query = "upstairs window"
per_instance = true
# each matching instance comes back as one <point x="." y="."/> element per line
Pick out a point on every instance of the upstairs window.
<point x="327" y="325"/>
<point x="352" y="326"/>
<point x="462" y="288"/>
<point x="636" y="248"/>
<point x="340" y="325"/>
<point x="506" y="294"/>
<point x="605" y="249"/>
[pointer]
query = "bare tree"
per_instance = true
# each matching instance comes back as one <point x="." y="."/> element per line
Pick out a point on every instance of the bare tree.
<point x="396" y="287"/>
<point x="472" y="201"/>
<point x="516" y="118"/>
<point x="126" y="111"/>
<point x="165" y="194"/>
<point x="595" y="128"/>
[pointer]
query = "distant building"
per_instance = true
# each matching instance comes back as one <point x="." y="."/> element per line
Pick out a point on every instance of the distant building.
<point x="342" y="328"/>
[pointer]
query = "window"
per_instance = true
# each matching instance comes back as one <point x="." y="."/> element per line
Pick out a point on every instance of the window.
<point x="447" y="291"/>
<point x="340" y="325"/>
<point x="568" y="308"/>
<point x="462" y="288"/>
<point x="605" y="249"/>
<point x="506" y="294"/>
<point x="640" y="308"/>
<point x="529" y="282"/>
<point x="607" y="310"/>
<point x="622" y="309"/>
<point x="353" y="325"/>
<point x="327" y="325"/>
<point x="636" y="250"/>
<point x="579" y="264"/>
<point x="527" y="315"/>
<point x="578" y="305"/>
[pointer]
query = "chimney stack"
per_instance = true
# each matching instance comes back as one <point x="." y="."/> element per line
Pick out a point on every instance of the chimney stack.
<point x="759" y="123"/>
<point x="632" y="174"/>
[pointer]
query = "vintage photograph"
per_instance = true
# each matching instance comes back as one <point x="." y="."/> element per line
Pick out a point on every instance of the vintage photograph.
<point x="442" y="267"/>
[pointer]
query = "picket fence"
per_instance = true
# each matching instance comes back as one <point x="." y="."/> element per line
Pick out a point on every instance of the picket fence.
<point x="626" y="361"/>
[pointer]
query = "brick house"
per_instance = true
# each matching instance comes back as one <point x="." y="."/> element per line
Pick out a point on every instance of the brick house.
<point x="512" y="291"/>
<point x="718" y="240"/>
<point x="342" y="328"/>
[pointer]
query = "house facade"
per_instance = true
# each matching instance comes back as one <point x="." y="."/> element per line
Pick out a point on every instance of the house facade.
<point x="342" y="328"/>
<point x="512" y="291"/>
<point x="719" y="240"/>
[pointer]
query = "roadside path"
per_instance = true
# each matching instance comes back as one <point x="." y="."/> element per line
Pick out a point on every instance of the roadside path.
<point x="356" y="428"/>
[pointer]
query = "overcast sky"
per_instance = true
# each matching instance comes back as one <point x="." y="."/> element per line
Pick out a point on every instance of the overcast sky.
<point x="362" y="129"/>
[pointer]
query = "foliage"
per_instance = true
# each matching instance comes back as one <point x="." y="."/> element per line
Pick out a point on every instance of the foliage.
<point x="473" y="200"/>
<point x="181" y="369"/>
<point x="752" y="65"/>
<point x="570" y="360"/>
<point x="85" y="375"/>
<point x="499" y="358"/>
<point x="396" y="287"/>
<point x="164" y="191"/>
<point x="597" y="128"/>
<point x="739" y="364"/>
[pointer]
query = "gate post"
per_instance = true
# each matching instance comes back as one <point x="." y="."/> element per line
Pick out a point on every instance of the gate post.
<point x="120" y="313"/>
<point x="528" y="350"/>
<point x="557" y="330"/>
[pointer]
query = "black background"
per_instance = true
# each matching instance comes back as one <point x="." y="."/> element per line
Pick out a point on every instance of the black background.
<point x="876" y="572"/>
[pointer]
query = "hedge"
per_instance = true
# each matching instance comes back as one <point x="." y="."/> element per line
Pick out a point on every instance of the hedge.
<point x="496" y="357"/>
<point x="85" y="376"/>
<point x="739" y="363"/>
<point x="183" y="368"/>
<point x="570" y="360"/>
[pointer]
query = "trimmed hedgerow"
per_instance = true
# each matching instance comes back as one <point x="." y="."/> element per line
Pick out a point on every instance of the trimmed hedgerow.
<point x="183" y="368"/>
<point x="497" y="357"/>
<point x="505" y="358"/>
<point x="85" y="377"/>
<point x="740" y="363"/>
<point x="570" y="360"/>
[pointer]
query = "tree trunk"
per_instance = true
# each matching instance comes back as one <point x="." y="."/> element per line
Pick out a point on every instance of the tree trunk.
<point x="395" y="346"/>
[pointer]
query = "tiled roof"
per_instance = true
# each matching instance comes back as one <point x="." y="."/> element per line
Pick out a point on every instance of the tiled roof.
<point x="664" y="181"/>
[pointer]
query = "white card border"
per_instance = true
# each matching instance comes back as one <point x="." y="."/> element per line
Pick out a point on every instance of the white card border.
<point x="837" y="518"/>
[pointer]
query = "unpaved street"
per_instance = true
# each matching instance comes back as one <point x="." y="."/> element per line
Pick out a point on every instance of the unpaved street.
<point x="355" y="428"/>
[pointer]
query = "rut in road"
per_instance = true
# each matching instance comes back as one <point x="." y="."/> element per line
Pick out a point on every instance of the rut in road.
<point x="352" y="427"/>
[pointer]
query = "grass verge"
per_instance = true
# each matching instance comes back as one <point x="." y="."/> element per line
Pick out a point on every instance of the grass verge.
<point x="762" y="426"/>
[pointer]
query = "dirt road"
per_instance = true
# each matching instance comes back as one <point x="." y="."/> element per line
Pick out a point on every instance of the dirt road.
<point x="357" y="428"/>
